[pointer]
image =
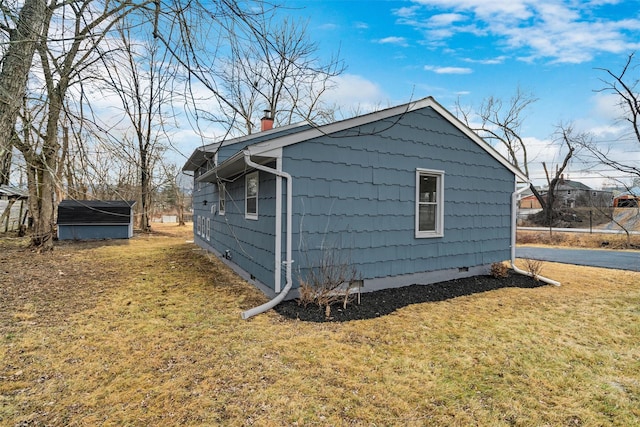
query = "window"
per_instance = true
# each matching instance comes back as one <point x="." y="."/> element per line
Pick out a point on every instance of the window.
<point x="198" y="225"/>
<point x="208" y="230"/>
<point x="251" y="196"/>
<point x="429" y="203"/>
<point x="221" y="198"/>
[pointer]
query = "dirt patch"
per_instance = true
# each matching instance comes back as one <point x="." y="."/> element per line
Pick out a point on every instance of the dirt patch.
<point x="380" y="303"/>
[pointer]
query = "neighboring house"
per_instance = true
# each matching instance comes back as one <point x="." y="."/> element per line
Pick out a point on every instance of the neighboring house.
<point x="407" y="195"/>
<point x="528" y="205"/>
<point x="12" y="207"/>
<point x="530" y="202"/>
<point x="95" y="219"/>
<point x="573" y="194"/>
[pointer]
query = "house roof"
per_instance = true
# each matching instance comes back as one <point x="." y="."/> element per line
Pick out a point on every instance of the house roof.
<point x="265" y="145"/>
<point x="94" y="212"/>
<point x="575" y="185"/>
<point x="11" y="191"/>
<point x="202" y="154"/>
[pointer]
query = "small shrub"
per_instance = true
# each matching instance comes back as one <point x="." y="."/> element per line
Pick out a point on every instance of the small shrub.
<point x="499" y="270"/>
<point x="306" y="294"/>
<point x="534" y="267"/>
<point x="330" y="281"/>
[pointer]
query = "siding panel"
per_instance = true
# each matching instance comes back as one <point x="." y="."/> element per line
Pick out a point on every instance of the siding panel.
<point x="358" y="193"/>
<point x="250" y="242"/>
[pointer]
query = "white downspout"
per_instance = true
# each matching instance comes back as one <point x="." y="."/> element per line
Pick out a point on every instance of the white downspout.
<point x="514" y="203"/>
<point x="289" y="282"/>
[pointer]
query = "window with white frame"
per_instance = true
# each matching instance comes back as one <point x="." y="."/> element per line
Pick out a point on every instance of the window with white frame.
<point x="251" y="196"/>
<point x="221" y="198"/>
<point x="429" y="203"/>
<point x="198" y="225"/>
<point x="208" y="232"/>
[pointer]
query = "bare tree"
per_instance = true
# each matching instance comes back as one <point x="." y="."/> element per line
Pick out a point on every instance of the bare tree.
<point x="140" y="77"/>
<point x="625" y="85"/>
<point x="174" y="195"/>
<point x="502" y="122"/>
<point x="272" y="67"/>
<point x="24" y="35"/>
<point x="67" y="36"/>
<point x="62" y="57"/>
<point x="567" y="137"/>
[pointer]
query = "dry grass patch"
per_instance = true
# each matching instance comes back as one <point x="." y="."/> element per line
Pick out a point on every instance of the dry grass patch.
<point x="576" y="240"/>
<point x="156" y="338"/>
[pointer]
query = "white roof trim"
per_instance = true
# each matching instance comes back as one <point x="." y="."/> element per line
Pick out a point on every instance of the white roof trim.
<point x="275" y="144"/>
<point x="338" y="126"/>
<point x="278" y="143"/>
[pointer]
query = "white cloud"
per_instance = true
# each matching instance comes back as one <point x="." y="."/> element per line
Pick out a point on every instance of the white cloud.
<point x="445" y="19"/>
<point x="354" y="91"/>
<point x="488" y="61"/>
<point x="564" y="31"/>
<point x="406" y="12"/>
<point x="328" y="27"/>
<point x="448" y="70"/>
<point x="400" y="41"/>
<point x="607" y="106"/>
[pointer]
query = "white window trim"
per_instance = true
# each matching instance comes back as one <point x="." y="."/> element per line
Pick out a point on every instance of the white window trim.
<point x="251" y="215"/>
<point x="222" y="198"/>
<point x="439" y="230"/>
<point x="208" y="229"/>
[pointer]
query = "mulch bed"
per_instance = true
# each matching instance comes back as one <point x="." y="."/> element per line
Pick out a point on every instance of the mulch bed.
<point x="386" y="301"/>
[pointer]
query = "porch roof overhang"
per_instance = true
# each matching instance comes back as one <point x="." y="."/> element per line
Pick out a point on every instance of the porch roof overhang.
<point x="235" y="166"/>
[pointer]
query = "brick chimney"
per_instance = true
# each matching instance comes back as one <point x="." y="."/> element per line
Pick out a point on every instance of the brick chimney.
<point x="266" y="123"/>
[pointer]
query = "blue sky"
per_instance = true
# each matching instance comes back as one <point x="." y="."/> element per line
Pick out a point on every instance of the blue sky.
<point x="396" y="51"/>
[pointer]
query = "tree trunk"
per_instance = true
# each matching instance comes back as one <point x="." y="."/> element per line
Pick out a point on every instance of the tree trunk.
<point x="4" y="218"/>
<point x="16" y="64"/>
<point x="551" y="200"/>
<point x="538" y="196"/>
<point x="145" y="188"/>
<point x="44" y="229"/>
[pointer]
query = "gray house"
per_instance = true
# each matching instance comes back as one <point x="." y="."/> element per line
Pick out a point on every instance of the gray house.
<point x="407" y="195"/>
<point x="95" y="219"/>
<point x="575" y="194"/>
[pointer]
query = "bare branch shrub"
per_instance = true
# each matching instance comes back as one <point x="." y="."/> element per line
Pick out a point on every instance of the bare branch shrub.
<point x="329" y="281"/>
<point x="499" y="270"/>
<point x="534" y="267"/>
<point x="306" y="293"/>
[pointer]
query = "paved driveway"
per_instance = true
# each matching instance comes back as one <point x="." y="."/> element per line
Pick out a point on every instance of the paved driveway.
<point x="619" y="260"/>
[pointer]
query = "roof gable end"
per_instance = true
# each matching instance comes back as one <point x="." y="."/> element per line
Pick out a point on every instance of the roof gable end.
<point x="314" y="132"/>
